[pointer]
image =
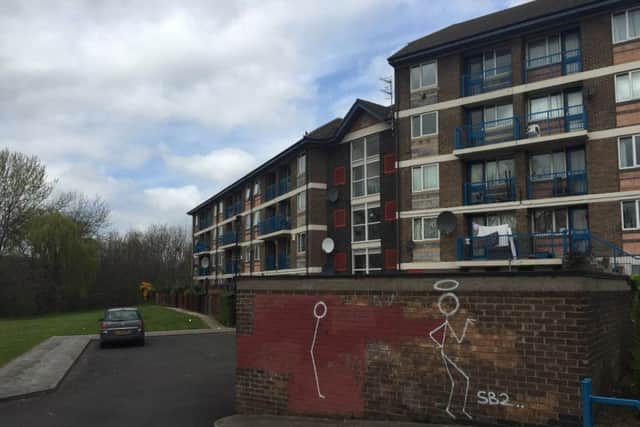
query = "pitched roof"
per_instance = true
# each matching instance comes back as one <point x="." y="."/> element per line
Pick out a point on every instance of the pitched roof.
<point x="379" y="112"/>
<point x="326" y="131"/>
<point x="492" y="22"/>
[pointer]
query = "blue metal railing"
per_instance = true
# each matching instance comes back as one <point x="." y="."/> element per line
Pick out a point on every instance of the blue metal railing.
<point x="561" y="63"/>
<point x="201" y="246"/>
<point x="203" y="271"/>
<point x="270" y="262"/>
<point x="493" y="191"/>
<point x="231" y="267"/>
<point x="558" y="120"/>
<point x="612" y="258"/>
<point x="283" y="261"/>
<point x="204" y="222"/>
<point x="570" y="183"/>
<point x="227" y="238"/>
<point x="488" y="133"/>
<point x="232" y="210"/>
<point x="588" y="399"/>
<point x="487" y="80"/>
<point x="277" y="189"/>
<point x="273" y="224"/>
<point x="520" y="245"/>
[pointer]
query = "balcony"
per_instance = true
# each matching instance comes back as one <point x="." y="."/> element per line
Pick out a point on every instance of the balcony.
<point x="232" y="210"/>
<point x="273" y="224"/>
<point x="204" y="222"/>
<point x="571" y="183"/>
<point x="554" y="65"/>
<point x="487" y="80"/>
<point x="523" y="246"/>
<point x="270" y="262"/>
<point x="231" y="267"/>
<point x="203" y="271"/>
<point x="200" y="246"/>
<point x="493" y="191"/>
<point x="486" y="133"/>
<point x="540" y="124"/>
<point x="227" y="238"/>
<point x="277" y="189"/>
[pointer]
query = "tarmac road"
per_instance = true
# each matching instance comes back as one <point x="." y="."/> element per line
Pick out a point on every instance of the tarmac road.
<point x="183" y="381"/>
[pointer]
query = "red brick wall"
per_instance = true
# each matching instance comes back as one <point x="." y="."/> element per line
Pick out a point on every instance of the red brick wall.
<point x="375" y="359"/>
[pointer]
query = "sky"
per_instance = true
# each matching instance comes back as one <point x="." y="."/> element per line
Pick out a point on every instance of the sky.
<point x="154" y="106"/>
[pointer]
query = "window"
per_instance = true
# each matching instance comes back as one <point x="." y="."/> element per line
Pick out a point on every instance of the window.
<point x="628" y="86"/>
<point x="546" y="107"/>
<point x="424" y="125"/>
<point x="247" y="222"/>
<point x="494" y="219"/>
<point x="630" y="218"/>
<point x="491" y="171"/>
<point x="496" y="62"/>
<point x="256" y="218"/>
<point x="256" y="252"/>
<point x="498" y="116"/>
<point x="626" y="25"/>
<point x="425" y="229"/>
<point x="247" y="194"/>
<point x="629" y="151"/>
<point x="424" y="76"/>
<point x="301" y="242"/>
<point x="425" y="177"/>
<point x="365" y="166"/>
<point x="302" y="201"/>
<point x="544" y="52"/>
<point x="221" y="207"/>
<point x="247" y="253"/>
<point x="256" y="188"/>
<point x="366" y="222"/>
<point x="302" y="164"/>
<point x="367" y="260"/>
<point x="550" y="220"/>
<point x="547" y="166"/>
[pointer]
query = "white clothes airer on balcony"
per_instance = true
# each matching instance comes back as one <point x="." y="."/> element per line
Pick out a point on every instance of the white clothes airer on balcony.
<point x="505" y="236"/>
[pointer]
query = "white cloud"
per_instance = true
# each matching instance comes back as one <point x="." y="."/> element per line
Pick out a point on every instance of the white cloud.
<point x="171" y="199"/>
<point x="220" y="165"/>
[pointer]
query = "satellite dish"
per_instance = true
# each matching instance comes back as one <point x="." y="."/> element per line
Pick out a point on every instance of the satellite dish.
<point x="333" y="195"/>
<point x="327" y="245"/>
<point x="204" y="262"/>
<point x="446" y="222"/>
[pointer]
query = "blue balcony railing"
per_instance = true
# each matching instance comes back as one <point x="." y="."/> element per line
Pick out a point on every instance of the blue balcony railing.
<point x="556" y="64"/>
<point x="277" y="189"/>
<point x="283" y="261"/>
<point x="567" y="119"/>
<point x="270" y="262"/>
<point x="227" y="238"/>
<point x="203" y="271"/>
<point x="273" y="224"/>
<point x="201" y="246"/>
<point x="570" y="183"/>
<point x="488" y="133"/>
<point x="204" y="222"/>
<point x="232" y="210"/>
<point x="524" y="246"/>
<point x="493" y="191"/>
<point x="231" y="267"/>
<point x="487" y="80"/>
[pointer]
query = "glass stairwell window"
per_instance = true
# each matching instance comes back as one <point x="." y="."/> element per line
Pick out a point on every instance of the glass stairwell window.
<point x="365" y="166"/>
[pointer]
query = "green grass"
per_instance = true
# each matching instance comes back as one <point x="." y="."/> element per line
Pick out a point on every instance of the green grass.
<point x="18" y="336"/>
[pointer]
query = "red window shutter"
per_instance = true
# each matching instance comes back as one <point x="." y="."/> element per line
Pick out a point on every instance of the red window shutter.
<point x="339" y="218"/>
<point x="390" y="259"/>
<point x="339" y="175"/>
<point x="390" y="210"/>
<point x="340" y="261"/>
<point x="389" y="164"/>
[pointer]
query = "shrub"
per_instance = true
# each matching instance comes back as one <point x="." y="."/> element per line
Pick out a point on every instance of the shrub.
<point x="226" y="308"/>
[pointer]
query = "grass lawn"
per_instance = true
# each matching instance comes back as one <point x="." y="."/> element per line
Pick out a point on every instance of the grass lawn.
<point x="22" y="334"/>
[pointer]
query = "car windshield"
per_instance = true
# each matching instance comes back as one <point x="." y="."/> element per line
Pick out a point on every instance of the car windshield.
<point x="121" y="315"/>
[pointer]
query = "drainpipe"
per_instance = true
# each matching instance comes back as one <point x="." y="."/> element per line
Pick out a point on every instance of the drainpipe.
<point x="394" y="130"/>
<point x="307" y="198"/>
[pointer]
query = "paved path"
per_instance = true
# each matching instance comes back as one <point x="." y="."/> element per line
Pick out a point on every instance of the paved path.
<point x="183" y="381"/>
<point x="209" y="320"/>
<point x="273" y="421"/>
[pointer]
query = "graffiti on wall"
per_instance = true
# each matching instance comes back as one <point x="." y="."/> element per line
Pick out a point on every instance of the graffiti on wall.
<point x="448" y="304"/>
<point x="319" y="315"/>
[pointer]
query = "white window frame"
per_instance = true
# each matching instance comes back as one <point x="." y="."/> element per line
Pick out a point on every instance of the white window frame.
<point x="494" y="58"/>
<point x="498" y="122"/>
<point x="302" y="164"/>
<point x="256" y="252"/>
<point x="364" y="162"/>
<point x="553" y="219"/>
<point x="422" y="237"/>
<point x="367" y="252"/>
<point x="256" y="189"/>
<point x="247" y="195"/>
<point x="635" y="139"/>
<point x="637" y="205"/>
<point x="365" y="207"/>
<point x="546" y="51"/>
<point x="615" y="87"/>
<point x="301" y="237"/>
<point x="422" y="135"/>
<point x="626" y="20"/>
<point x="247" y="253"/>
<point x="247" y="222"/>
<point x="422" y="171"/>
<point x="301" y="201"/>
<point x="422" y="86"/>
<point x="539" y="178"/>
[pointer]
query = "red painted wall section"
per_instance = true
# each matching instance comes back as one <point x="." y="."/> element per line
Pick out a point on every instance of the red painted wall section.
<point x="281" y="342"/>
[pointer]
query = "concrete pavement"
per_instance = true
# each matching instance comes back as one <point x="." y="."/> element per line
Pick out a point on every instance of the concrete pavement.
<point x="276" y="421"/>
<point x="209" y="320"/>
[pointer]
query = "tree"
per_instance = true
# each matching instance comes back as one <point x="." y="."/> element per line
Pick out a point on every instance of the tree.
<point x="23" y="190"/>
<point x="91" y="215"/>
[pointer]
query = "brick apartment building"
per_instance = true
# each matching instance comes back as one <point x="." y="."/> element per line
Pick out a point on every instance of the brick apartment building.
<point x="528" y="118"/>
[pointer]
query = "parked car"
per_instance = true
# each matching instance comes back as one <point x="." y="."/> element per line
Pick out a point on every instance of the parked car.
<point x="120" y="325"/>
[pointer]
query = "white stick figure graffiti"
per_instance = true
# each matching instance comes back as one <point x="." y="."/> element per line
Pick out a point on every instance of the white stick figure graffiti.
<point x="448" y="311"/>
<point x="318" y="316"/>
